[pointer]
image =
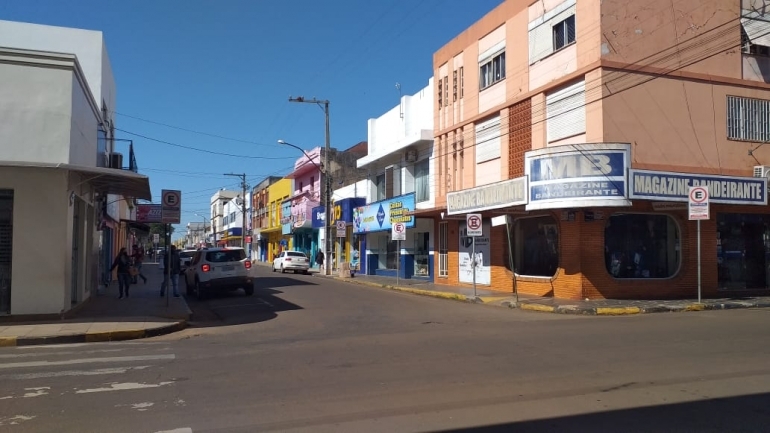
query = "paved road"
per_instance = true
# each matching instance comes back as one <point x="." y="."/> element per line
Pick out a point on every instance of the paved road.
<point x="313" y="355"/>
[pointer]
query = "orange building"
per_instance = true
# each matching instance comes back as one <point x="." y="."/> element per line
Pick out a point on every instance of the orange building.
<point x="584" y="124"/>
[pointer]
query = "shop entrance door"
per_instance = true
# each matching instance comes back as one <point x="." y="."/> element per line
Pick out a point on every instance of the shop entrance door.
<point x="443" y="249"/>
<point x="6" y="249"/>
<point x="743" y="244"/>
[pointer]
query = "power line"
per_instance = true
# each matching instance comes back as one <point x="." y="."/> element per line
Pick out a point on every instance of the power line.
<point x="211" y="152"/>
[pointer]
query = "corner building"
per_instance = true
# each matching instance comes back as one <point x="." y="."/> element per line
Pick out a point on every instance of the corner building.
<point x="585" y="123"/>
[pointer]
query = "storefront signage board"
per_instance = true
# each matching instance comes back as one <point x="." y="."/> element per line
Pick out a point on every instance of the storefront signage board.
<point x="508" y="193"/>
<point x="579" y="175"/>
<point x="670" y="186"/>
<point x="380" y="216"/>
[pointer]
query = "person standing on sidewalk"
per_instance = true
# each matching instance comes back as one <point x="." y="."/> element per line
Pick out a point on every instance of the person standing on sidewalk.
<point x="172" y="261"/>
<point x="138" y="256"/>
<point x="319" y="259"/>
<point x="123" y="264"/>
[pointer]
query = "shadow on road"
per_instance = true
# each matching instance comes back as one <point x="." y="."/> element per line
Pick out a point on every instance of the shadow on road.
<point x="747" y="413"/>
<point x="235" y="308"/>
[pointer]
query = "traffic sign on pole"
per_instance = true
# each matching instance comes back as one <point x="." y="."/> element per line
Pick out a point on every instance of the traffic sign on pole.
<point x="156" y="238"/>
<point x="341" y="229"/>
<point x="473" y="221"/>
<point x="398" y="232"/>
<point x="698" y="203"/>
<point x="171" y="206"/>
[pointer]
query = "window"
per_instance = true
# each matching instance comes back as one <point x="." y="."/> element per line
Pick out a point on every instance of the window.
<point x="440" y="93"/>
<point x="492" y="71"/>
<point x="301" y="186"/>
<point x="536" y="246"/>
<point x="312" y="183"/>
<point x="566" y="112"/>
<point x="273" y="214"/>
<point x="446" y="90"/>
<point x="380" y="184"/>
<point x="748" y="119"/>
<point x="564" y="33"/>
<point x="225" y="256"/>
<point x="454" y="85"/>
<point x="422" y="180"/>
<point x="421" y="254"/>
<point x="462" y="82"/>
<point x="641" y="246"/>
<point x="754" y="33"/>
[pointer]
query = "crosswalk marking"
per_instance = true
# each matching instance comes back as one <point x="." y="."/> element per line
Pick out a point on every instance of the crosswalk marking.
<point x="94" y="372"/>
<point x="86" y="361"/>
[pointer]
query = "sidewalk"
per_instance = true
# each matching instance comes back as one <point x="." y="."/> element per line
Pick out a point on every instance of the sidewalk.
<point x="605" y="307"/>
<point x="104" y="317"/>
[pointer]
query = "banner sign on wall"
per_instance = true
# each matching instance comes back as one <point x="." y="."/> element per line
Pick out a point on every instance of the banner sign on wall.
<point x="578" y="175"/>
<point x="379" y="216"/>
<point x="669" y="186"/>
<point x="148" y="213"/>
<point x="512" y="192"/>
<point x="483" y="255"/>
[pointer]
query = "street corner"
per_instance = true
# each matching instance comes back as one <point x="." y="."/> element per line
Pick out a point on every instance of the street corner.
<point x="433" y="294"/>
<point x="537" y="307"/>
<point x="617" y="311"/>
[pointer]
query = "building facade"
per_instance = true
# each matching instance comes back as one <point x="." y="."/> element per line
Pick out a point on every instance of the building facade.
<point x="306" y="195"/>
<point x="196" y="235"/>
<point x="582" y="124"/>
<point x="64" y="187"/>
<point x="260" y="217"/>
<point x="278" y="192"/>
<point x="218" y="214"/>
<point x="234" y="213"/>
<point x="346" y="245"/>
<point x="401" y="188"/>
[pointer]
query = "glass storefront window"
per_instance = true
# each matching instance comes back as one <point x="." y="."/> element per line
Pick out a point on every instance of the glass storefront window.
<point x="743" y="251"/>
<point x="641" y="246"/>
<point x="421" y="254"/>
<point x="388" y="253"/>
<point x="536" y="246"/>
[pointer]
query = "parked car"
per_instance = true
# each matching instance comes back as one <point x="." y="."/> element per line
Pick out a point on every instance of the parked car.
<point x="185" y="258"/>
<point x="291" y="261"/>
<point x="218" y="269"/>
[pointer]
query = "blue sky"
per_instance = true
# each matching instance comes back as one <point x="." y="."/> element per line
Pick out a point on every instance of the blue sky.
<point x="227" y="68"/>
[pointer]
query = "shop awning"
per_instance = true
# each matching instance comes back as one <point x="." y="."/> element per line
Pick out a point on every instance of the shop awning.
<point x="104" y="180"/>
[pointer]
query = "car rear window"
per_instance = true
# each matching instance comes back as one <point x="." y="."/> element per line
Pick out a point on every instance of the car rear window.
<point x="225" y="256"/>
<point x="186" y="254"/>
<point x="292" y="254"/>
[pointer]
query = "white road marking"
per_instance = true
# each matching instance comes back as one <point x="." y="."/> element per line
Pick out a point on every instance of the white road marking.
<point x="123" y="387"/>
<point x="15" y="420"/>
<point x="96" y="372"/>
<point x="70" y="345"/>
<point x="177" y="430"/>
<point x="141" y="407"/>
<point x="28" y="355"/>
<point x="7" y="397"/>
<point x="36" y="392"/>
<point x="85" y="361"/>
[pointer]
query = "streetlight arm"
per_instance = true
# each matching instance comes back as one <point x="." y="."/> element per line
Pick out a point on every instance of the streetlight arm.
<point x="286" y="143"/>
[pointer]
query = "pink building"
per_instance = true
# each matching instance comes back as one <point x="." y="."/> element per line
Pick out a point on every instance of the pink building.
<point x="306" y="196"/>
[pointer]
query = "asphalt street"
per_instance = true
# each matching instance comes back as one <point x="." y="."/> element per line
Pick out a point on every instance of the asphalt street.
<point x="309" y="354"/>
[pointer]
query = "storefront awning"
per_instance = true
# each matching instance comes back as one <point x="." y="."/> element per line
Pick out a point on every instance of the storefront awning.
<point x="104" y="180"/>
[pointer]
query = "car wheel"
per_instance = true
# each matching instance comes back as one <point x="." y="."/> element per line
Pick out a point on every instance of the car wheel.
<point x="198" y="290"/>
<point x="273" y="267"/>
<point x="283" y="271"/>
<point x="249" y="289"/>
<point x="307" y="272"/>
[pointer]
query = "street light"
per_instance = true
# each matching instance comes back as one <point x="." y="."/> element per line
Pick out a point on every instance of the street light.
<point x="327" y="202"/>
<point x="324" y="104"/>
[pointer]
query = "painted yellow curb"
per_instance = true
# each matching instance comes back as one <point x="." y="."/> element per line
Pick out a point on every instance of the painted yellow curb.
<point x="129" y="334"/>
<point x="490" y="299"/>
<point x="695" y="307"/>
<point x="431" y="293"/>
<point x="538" y="307"/>
<point x="7" y="341"/>
<point x="617" y="311"/>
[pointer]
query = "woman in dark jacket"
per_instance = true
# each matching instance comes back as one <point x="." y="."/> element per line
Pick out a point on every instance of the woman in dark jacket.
<point x="123" y="263"/>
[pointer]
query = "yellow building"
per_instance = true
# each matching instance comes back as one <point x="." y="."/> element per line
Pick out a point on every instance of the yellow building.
<point x="276" y="193"/>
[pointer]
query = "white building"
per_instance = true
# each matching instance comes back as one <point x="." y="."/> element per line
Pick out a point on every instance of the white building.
<point x="59" y="172"/>
<point x="232" y="218"/>
<point x="400" y="163"/>
<point x="196" y="234"/>
<point x="218" y="202"/>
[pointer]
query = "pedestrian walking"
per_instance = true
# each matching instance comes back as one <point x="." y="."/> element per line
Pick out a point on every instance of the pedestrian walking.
<point x="138" y="256"/>
<point x="172" y="261"/>
<point x="123" y="264"/>
<point x="319" y="259"/>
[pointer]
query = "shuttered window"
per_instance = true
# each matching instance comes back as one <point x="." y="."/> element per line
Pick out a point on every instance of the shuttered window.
<point x="566" y="112"/>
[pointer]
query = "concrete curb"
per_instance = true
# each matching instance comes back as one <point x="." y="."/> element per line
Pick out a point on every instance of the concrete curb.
<point x="94" y="337"/>
<point x="567" y="309"/>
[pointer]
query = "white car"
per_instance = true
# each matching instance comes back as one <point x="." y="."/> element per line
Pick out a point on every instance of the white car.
<point x="219" y="269"/>
<point x="291" y="261"/>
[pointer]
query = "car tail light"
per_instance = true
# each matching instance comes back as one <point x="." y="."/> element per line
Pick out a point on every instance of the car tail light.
<point x="247" y="264"/>
<point x="205" y="268"/>
<point x="287" y="259"/>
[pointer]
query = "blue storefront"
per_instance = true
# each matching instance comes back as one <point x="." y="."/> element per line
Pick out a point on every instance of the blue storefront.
<point x="347" y="246"/>
<point x="383" y="256"/>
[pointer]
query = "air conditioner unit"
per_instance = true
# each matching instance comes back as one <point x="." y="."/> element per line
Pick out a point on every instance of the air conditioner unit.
<point x="410" y="155"/>
<point x="761" y="170"/>
<point x="116" y="160"/>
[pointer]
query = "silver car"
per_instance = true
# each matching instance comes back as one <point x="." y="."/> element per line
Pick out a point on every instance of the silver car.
<point x="291" y="261"/>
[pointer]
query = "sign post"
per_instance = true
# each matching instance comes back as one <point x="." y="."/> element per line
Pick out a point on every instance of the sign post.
<point x="698" y="206"/>
<point x="473" y="228"/>
<point x="155" y="243"/>
<point x="398" y="234"/>
<point x="171" y="206"/>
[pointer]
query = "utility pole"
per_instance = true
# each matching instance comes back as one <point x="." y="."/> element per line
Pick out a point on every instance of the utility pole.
<point x="324" y="104"/>
<point x="243" y="206"/>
